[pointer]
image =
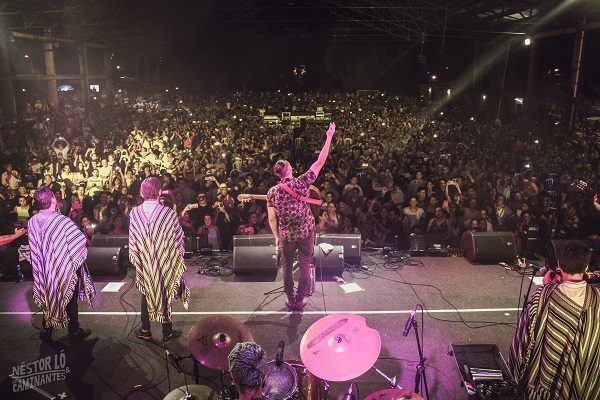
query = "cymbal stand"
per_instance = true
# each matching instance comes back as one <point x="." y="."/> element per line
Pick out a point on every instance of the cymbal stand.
<point x="392" y="381"/>
<point x="421" y="366"/>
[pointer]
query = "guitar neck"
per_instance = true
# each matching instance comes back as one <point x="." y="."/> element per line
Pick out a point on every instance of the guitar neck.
<point x="248" y="197"/>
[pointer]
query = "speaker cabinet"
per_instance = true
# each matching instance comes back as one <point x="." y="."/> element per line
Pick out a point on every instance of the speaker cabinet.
<point x="109" y="240"/>
<point x="489" y="247"/>
<point x="329" y="264"/>
<point x="253" y="240"/>
<point x="196" y="243"/>
<point x="108" y="260"/>
<point x="254" y="260"/>
<point x="350" y="242"/>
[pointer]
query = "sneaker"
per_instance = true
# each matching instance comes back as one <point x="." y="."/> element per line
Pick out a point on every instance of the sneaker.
<point x="46" y="335"/>
<point x="142" y="334"/>
<point x="173" y="335"/>
<point x="79" y="334"/>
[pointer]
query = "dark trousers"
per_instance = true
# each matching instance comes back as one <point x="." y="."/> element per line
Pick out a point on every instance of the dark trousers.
<point x="167" y="327"/>
<point x="72" y="310"/>
<point x="287" y="249"/>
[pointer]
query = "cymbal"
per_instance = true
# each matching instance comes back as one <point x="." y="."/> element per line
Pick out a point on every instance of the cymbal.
<point x="198" y="392"/>
<point x="212" y="338"/>
<point x="340" y="347"/>
<point x="393" y="394"/>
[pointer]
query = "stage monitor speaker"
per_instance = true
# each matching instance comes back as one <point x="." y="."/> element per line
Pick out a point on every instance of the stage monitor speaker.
<point x="253" y="240"/>
<point x="490" y="247"/>
<point x="196" y="243"/>
<point x="109" y="240"/>
<point x="329" y="264"/>
<point x="108" y="260"/>
<point x="350" y="242"/>
<point x="553" y="249"/>
<point x="255" y="260"/>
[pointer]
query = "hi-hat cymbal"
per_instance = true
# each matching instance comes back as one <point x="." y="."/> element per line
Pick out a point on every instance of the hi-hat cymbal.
<point x="197" y="392"/>
<point x="393" y="394"/>
<point x="212" y="338"/>
<point x="340" y="347"/>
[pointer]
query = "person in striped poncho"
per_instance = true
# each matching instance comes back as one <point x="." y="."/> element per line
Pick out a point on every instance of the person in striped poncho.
<point x="60" y="276"/>
<point x="555" y="352"/>
<point x="156" y="251"/>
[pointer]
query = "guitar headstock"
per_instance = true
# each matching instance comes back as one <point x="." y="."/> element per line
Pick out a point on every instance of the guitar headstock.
<point x="245" y="198"/>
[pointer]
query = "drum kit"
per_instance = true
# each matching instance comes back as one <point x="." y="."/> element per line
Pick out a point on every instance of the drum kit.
<point x="336" y="348"/>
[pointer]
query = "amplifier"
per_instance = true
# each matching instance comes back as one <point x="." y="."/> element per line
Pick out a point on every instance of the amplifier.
<point x="350" y="242"/>
<point x="490" y="247"/>
<point x="329" y="264"/>
<point x="255" y="259"/>
<point x="108" y="260"/>
<point x="99" y="240"/>
<point x="253" y="240"/>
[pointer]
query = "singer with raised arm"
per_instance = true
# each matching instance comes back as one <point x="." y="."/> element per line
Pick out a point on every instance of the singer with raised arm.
<point x="293" y="223"/>
<point x="156" y="251"/>
<point x="58" y="253"/>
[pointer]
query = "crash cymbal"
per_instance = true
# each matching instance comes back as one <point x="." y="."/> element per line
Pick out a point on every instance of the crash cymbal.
<point x="340" y="347"/>
<point x="393" y="394"/>
<point x="212" y="338"/>
<point x="197" y="392"/>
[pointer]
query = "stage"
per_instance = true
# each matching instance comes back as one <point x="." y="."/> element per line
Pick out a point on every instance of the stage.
<point x="464" y="304"/>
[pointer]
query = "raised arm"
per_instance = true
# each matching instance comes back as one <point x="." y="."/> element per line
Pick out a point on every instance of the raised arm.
<point x="317" y="165"/>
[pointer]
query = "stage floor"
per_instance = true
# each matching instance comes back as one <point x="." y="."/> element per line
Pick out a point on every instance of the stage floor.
<point x="465" y="304"/>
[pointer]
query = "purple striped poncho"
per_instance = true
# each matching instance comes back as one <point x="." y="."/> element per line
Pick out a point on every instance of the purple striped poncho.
<point x="57" y="251"/>
<point x="156" y="251"/>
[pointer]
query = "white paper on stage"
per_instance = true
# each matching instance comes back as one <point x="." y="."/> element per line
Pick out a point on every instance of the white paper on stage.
<point x="351" y="287"/>
<point x="112" y="287"/>
<point x="538" y="280"/>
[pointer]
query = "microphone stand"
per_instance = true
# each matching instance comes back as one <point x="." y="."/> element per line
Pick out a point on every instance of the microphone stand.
<point x="534" y="269"/>
<point x="421" y="366"/>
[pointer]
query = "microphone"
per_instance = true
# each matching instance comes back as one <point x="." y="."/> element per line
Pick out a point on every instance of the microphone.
<point x="349" y="395"/>
<point x="174" y="361"/>
<point x="409" y="321"/>
<point x="279" y="356"/>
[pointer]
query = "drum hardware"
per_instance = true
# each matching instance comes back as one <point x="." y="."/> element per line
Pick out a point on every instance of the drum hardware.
<point x="192" y="392"/>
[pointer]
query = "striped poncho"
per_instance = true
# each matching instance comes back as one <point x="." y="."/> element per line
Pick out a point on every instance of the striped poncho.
<point x="58" y="252"/>
<point x="156" y="251"/>
<point x="555" y="353"/>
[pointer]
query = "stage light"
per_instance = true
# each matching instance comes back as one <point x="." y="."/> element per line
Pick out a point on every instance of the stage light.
<point x="180" y="101"/>
<point x="166" y="90"/>
<point x="433" y="77"/>
<point x="23" y="89"/>
<point x="536" y="141"/>
<point x="176" y="87"/>
<point x="119" y="90"/>
<point x="472" y="119"/>
<point x="527" y="165"/>
<point x="441" y="113"/>
<point x="518" y="100"/>
<point x="47" y="119"/>
<point x="435" y="135"/>
<point x="556" y="70"/>
<point x="527" y="41"/>
<point x="95" y="98"/>
<point x="448" y="91"/>
<point x="118" y="67"/>
<point x="26" y="55"/>
<point x="483" y="97"/>
<point x="429" y="90"/>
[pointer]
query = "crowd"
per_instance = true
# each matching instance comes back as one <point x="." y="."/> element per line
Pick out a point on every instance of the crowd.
<point x="395" y="168"/>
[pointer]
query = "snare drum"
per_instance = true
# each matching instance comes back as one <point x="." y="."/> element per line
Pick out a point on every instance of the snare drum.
<point x="291" y="380"/>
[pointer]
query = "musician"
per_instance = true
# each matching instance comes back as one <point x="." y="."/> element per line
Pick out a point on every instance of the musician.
<point x="293" y="224"/>
<point x="156" y="251"/>
<point x="555" y="353"/>
<point x="247" y="368"/>
<point x="58" y="252"/>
